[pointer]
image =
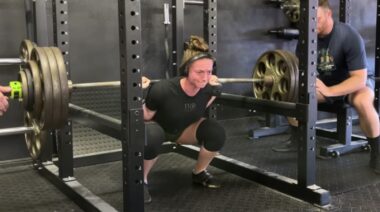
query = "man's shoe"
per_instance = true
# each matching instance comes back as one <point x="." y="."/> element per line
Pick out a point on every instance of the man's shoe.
<point x="374" y="161"/>
<point x="205" y="179"/>
<point x="147" y="197"/>
<point x="288" y="146"/>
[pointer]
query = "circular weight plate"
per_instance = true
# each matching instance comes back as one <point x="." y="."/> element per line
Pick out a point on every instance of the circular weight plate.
<point x="24" y="87"/>
<point x="293" y="93"/>
<point x="259" y="73"/>
<point x="56" y="87"/>
<point x="37" y="89"/>
<point x="33" y="139"/>
<point x="284" y="90"/>
<point x="26" y="48"/>
<point x="30" y="87"/>
<point x="276" y="65"/>
<point x="46" y="119"/>
<point x="264" y="67"/>
<point x="65" y="93"/>
<point x="292" y="10"/>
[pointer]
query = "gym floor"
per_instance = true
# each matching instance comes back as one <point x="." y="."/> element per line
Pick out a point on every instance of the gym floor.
<point x="353" y="186"/>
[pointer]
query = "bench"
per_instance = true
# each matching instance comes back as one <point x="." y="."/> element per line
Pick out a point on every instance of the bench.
<point x="343" y="133"/>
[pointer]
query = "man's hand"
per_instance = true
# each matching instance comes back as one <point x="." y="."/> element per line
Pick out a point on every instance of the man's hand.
<point x="4" y="99"/>
<point x="322" y="88"/>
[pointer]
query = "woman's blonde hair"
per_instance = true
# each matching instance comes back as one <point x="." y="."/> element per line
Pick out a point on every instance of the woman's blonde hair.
<point x="194" y="49"/>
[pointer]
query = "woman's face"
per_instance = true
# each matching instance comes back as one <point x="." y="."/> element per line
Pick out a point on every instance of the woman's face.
<point x="200" y="72"/>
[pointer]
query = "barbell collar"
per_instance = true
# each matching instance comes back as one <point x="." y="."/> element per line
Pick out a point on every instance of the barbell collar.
<point x="15" y="131"/>
<point x="11" y="61"/>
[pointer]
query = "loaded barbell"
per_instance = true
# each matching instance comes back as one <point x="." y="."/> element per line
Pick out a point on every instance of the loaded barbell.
<point x="45" y="89"/>
<point x="275" y="77"/>
<point x="45" y="85"/>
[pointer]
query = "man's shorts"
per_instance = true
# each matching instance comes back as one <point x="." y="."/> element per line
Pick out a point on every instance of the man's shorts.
<point x="369" y="83"/>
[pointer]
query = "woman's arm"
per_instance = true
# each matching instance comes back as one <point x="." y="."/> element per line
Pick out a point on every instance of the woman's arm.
<point x="148" y="114"/>
<point x="213" y="81"/>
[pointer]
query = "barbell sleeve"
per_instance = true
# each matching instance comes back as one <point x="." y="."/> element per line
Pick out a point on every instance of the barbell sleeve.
<point x="11" y="61"/>
<point x="15" y="131"/>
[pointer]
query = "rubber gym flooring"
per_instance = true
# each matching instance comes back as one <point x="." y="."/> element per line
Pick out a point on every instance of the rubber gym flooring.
<point x="353" y="186"/>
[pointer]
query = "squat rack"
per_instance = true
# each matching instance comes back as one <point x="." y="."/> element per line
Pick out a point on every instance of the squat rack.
<point x="305" y="111"/>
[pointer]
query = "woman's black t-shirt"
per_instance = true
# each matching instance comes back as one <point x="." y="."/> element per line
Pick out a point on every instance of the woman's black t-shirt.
<point x="175" y="110"/>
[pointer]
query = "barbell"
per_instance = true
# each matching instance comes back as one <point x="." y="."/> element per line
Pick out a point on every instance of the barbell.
<point x="45" y="89"/>
<point x="117" y="83"/>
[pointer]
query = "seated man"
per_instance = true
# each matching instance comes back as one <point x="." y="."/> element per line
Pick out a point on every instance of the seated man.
<point x="343" y="76"/>
<point x="3" y="99"/>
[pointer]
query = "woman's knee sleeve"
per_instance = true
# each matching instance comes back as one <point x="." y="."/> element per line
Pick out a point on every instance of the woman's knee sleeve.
<point x="155" y="136"/>
<point x="211" y="135"/>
